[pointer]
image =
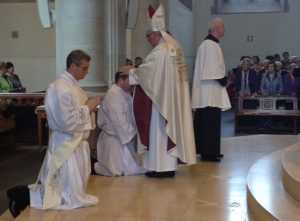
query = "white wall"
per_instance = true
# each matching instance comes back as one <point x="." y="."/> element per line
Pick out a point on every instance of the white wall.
<point x="180" y="22"/>
<point x="272" y="32"/>
<point x="33" y="53"/>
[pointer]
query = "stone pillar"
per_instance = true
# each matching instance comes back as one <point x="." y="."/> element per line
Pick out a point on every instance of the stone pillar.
<point x="115" y="31"/>
<point x="92" y="26"/>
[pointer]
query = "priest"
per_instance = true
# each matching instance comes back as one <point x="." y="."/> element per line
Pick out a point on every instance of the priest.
<point x="209" y="95"/>
<point x="162" y="107"/>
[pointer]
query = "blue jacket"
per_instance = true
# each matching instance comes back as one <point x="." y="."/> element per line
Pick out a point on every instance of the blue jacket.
<point x="271" y="88"/>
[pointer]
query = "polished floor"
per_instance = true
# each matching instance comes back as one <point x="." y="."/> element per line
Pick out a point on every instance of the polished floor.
<point x="205" y="191"/>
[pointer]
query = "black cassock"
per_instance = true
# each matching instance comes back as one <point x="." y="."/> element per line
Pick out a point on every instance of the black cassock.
<point x="207" y="127"/>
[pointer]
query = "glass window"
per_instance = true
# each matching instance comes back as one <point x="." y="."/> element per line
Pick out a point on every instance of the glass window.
<point x="249" y="6"/>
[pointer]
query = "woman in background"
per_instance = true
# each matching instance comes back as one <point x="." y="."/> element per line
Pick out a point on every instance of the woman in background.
<point x="14" y="78"/>
<point x="271" y="82"/>
<point x="5" y="84"/>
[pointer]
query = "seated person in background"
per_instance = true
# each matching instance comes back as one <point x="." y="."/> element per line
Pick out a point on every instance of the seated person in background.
<point x="5" y="84"/>
<point x="285" y="56"/>
<point x="255" y="63"/>
<point x="138" y="61"/>
<point x="280" y="71"/>
<point x="271" y="82"/>
<point x="230" y="86"/>
<point x="289" y="81"/>
<point x="14" y="78"/>
<point x="115" y="147"/>
<point x="261" y="72"/>
<point x="128" y="62"/>
<point x="246" y="79"/>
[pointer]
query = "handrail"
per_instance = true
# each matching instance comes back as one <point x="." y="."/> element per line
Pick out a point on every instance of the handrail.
<point x="21" y="99"/>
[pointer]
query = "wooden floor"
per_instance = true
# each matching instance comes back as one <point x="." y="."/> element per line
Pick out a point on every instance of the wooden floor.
<point x="205" y="191"/>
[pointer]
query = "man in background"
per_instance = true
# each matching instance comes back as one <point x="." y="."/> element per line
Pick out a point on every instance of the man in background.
<point x="209" y="95"/>
<point x="138" y="61"/>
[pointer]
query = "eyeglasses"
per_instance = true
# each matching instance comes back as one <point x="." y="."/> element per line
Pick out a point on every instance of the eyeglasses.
<point x="148" y="35"/>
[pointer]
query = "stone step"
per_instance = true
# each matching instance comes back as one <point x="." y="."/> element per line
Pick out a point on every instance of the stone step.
<point x="266" y="195"/>
<point x="291" y="170"/>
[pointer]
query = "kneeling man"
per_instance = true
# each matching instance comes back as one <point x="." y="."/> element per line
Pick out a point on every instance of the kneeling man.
<point x="115" y="147"/>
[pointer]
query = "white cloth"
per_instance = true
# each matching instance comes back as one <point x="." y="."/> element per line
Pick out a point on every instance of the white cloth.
<point x="159" y="159"/>
<point x="206" y="91"/>
<point x="163" y="78"/>
<point x="115" y="147"/>
<point x="64" y="175"/>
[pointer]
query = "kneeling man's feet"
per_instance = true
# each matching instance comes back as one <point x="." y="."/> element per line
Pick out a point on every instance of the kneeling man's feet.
<point x="165" y="174"/>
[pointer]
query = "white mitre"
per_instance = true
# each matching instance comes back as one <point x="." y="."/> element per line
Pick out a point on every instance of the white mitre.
<point x="156" y="19"/>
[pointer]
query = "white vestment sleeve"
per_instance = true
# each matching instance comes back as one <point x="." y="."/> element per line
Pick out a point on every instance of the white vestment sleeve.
<point x="67" y="115"/>
<point x="132" y="80"/>
<point x="72" y="118"/>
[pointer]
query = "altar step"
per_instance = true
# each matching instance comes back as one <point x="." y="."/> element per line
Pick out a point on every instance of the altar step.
<point x="291" y="170"/>
<point x="273" y="186"/>
<point x="6" y="216"/>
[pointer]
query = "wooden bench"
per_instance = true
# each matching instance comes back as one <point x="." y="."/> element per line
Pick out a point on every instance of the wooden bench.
<point x="21" y="99"/>
<point x="16" y="104"/>
<point x="252" y="111"/>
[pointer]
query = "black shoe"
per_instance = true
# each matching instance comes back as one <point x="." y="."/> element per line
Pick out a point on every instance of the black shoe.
<point x="150" y="173"/>
<point x="220" y="155"/>
<point x="165" y="174"/>
<point x="210" y="158"/>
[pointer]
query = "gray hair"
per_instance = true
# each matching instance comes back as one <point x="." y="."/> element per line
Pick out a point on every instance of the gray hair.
<point x="214" y="23"/>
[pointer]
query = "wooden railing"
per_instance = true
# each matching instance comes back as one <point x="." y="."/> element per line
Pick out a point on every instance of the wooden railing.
<point x="252" y="112"/>
<point x="21" y="99"/>
<point x="10" y="118"/>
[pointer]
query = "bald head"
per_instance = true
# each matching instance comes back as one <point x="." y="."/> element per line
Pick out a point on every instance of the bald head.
<point x="216" y="27"/>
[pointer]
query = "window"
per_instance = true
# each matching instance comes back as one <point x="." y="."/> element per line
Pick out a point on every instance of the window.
<point x="249" y="6"/>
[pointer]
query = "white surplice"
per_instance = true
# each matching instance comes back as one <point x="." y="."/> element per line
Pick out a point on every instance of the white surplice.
<point x="65" y="172"/>
<point x="164" y="79"/>
<point x="209" y="66"/>
<point x="115" y="147"/>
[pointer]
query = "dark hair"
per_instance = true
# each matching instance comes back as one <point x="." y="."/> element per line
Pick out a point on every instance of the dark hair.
<point x="256" y="57"/>
<point x="286" y="52"/>
<point x="270" y="57"/>
<point x="2" y="65"/>
<point x="76" y="57"/>
<point x="274" y="65"/>
<point x="119" y="75"/>
<point x="128" y="61"/>
<point x="9" y="65"/>
<point x="138" y="58"/>
<point x="244" y="56"/>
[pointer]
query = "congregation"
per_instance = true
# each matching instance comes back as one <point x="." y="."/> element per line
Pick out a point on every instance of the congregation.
<point x="274" y="76"/>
